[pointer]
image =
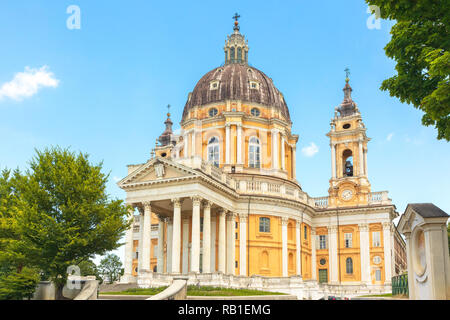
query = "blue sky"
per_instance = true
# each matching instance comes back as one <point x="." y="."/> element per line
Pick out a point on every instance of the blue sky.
<point x="103" y="89"/>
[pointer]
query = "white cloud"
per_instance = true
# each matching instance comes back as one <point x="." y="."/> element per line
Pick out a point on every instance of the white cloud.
<point x="28" y="83"/>
<point x="389" y="136"/>
<point x="310" y="150"/>
<point x="116" y="179"/>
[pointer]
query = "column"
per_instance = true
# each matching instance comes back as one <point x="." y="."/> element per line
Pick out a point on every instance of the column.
<point x="387" y="252"/>
<point x="141" y="235"/>
<point x="169" y="240"/>
<point x="275" y="149"/>
<point x="284" y="250"/>
<point x="206" y="268"/>
<point x="361" y="157"/>
<point x="409" y="263"/>
<point x="186" y="143"/>
<point x="239" y="144"/>
<point x="160" y="253"/>
<point x="222" y="241"/>
<point x="313" y="254"/>
<point x="333" y="254"/>
<point x="243" y="244"/>
<point x="283" y="152"/>
<point x="364" y="248"/>
<point x="195" y="242"/>
<point x="146" y="225"/>
<point x="298" y="247"/>
<point x="333" y="160"/>
<point x="128" y="263"/>
<point x="294" y="161"/>
<point x="176" y="236"/>
<point x="227" y="143"/>
<point x="231" y="243"/>
<point x="213" y="242"/>
<point x="185" y="265"/>
<point x="193" y="143"/>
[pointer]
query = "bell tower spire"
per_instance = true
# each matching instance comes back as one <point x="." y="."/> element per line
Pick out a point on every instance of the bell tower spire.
<point x="236" y="48"/>
<point x="349" y="184"/>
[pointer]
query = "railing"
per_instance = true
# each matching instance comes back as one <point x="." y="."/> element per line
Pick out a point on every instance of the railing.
<point x="400" y="285"/>
<point x="321" y="202"/>
<point x="380" y="197"/>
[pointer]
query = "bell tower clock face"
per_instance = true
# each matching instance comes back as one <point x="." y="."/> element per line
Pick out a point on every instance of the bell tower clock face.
<point x="347" y="194"/>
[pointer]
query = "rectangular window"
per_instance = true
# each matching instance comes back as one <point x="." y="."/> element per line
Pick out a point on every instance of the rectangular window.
<point x="376" y="239"/>
<point x="378" y="275"/>
<point x="305" y="232"/>
<point x="322" y="241"/>
<point x="236" y="225"/>
<point x="264" y="224"/>
<point x="348" y="240"/>
<point x="236" y="235"/>
<point x="201" y="224"/>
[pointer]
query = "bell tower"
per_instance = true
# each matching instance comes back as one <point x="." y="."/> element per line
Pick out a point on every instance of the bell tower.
<point x="349" y="185"/>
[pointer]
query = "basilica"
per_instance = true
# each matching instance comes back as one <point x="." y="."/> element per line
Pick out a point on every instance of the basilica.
<point x="219" y="201"/>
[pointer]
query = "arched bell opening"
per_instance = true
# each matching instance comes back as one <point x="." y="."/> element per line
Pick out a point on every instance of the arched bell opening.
<point x="347" y="157"/>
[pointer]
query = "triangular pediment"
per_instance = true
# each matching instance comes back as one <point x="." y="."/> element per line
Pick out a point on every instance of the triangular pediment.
<point x="156" y="170"/>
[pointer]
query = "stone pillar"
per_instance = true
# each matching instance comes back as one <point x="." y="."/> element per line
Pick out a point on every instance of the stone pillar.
<point x="275" y="150"/>
<point x="222" y="241"/>
<point x="227" y="143"/>
<point x="169" y="245"/>
<point x="193" y="143"/>
<point x="128" y="263"/>
<point x="146" y="225"/>
<point x="239" y="144"/>
<point x="231" y="243"/>
<point x="333" y="160"/>
<point x="160" y="253"/>
<point x="313" y="254"/>
<point x="283" y="154"/>
<point x="243" y="244"/>
<point x="206" y="268"/>
<point x="387" y="252"/>
<point x="361" y="157"/>
<point x="294" y="162"/>
<point x="185" y="261"/>
<point x="364" y="248"/>
<point x="213" y="242"/>
<point x="298" y="248"/>
<point x="365" y="162"/>
<point x="195" y="242"/>
<point x="176" y="236"/>
<point x="284" y="249"/>
<point x="333" y="254"/>
<point x="141" y="235"/>
<point x="186" y="144"/>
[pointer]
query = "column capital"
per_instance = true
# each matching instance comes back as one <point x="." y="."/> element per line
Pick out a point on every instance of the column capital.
<point x="332" y="229"/>
<point x="196" y="200"/>
<point x="284" y="221"/>
<point x="140" y="209"/>
<point x="363" y="227"/>
<point x="231" y="215"/>
<point x="147" y="205"/>
<point x="169" y="220"/>
<point x="386" y="225"/>
<point x="207" y="204"/>
<point x="176" y="202"/>
<point x="222" y="212"/>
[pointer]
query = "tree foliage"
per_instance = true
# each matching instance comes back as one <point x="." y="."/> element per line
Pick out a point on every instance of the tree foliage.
<point x="420" y="45"/>
<point x="18" y="285"/>
<point x="111" y="267"/>
<point x="58" y="214"/>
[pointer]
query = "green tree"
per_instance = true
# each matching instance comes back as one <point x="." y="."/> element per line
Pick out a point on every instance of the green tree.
<point x="89" y="268"/>
<point x="62" y="215"/>
<point x="420" y="45"/>
<point x="111" y="267"/>
<point x="18" y="285"/>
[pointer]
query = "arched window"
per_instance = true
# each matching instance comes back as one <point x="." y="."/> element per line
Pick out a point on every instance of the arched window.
<point x="232" y="58"/>
<point x="254" y="153"/>
<point x="213" y="151"/>
<point x="347" y="158"/>
<point x="349" y="266"/>
<point x="239" y="57"/>
<point x="213" y="112"/>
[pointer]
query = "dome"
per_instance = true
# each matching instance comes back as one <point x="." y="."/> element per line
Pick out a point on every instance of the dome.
<point x="236" y="81"/>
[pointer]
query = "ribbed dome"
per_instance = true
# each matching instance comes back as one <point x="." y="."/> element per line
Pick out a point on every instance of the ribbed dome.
<point x="234" y="83"/>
